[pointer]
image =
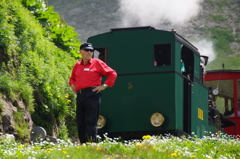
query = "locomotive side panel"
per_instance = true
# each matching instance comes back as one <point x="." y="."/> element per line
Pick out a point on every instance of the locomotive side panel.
<point x="137" y="98"/>
<point x="199" y="112"/>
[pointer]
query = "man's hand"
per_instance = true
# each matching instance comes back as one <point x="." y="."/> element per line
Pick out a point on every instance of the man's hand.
<point x="73" y="88"/>
<point x="97" y="89"/>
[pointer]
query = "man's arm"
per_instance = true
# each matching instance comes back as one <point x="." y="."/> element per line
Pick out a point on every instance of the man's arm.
<point x="109" y="73"/>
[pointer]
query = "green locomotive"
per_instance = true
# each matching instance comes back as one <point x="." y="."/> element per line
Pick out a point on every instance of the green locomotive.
<point x="159" y="89"/>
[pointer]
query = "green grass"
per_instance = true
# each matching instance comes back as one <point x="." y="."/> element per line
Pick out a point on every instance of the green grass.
<point x="151" y="147"/>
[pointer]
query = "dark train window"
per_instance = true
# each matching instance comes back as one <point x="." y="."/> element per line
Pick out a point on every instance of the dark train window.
<point x="162" y="55"/>
<point x="101" y="53"/>
<point x="188" y="59"/>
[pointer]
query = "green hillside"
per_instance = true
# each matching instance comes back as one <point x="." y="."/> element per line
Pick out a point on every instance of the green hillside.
<point x="37" y="52"/>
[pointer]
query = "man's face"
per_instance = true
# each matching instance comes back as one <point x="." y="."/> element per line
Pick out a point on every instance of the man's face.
<point x="86" y="54"/>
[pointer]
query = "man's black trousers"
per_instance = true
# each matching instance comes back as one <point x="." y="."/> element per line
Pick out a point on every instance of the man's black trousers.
<point x="87" y="113"/>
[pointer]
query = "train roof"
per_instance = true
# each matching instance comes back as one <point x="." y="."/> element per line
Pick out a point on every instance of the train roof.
<point x="222" y="74"/>
<point x="225" y="81"/>
<point x="177" y="36"/>
<point x="223" y="70"/>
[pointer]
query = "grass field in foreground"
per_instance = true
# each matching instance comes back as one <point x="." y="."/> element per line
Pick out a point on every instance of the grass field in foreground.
<point x="150" y="147"/>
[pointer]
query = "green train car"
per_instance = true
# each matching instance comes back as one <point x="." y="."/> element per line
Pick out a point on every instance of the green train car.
<point x="159" y="89"/>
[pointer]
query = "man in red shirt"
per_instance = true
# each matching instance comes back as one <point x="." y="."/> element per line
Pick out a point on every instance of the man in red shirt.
<point x="85" y="81"/>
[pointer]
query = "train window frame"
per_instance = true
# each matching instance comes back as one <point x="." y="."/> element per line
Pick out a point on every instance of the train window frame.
<point x="162" y="56"/>
<point x="101" y="51"/>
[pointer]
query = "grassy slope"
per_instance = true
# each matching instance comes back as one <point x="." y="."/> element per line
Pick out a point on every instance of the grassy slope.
<point x="151" y="147"/>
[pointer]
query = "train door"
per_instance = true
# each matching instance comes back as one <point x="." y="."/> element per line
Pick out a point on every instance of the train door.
<point x="187" y="60"/>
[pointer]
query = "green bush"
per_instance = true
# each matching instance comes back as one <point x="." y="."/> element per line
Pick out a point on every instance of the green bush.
<point x="34" y="65"/>
<point x="21" y="126"/>
<point x="56" y="29"/>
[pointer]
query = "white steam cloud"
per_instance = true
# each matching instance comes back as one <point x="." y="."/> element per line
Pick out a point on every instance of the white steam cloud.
<point x="153" y="12"/>
<point x="205" y="47"/>
<point x="158" y="13"/>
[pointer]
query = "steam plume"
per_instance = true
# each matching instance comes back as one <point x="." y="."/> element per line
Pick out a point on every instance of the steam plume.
<point x="205" y="47"/>
<point x="153" y="12"/>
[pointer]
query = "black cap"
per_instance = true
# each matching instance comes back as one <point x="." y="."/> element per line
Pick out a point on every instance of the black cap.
<point x="86" y="46"/>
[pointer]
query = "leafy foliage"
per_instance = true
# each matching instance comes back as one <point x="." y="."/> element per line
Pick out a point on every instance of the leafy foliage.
<point x="56" y="29"/>
<point x="32" y="68"/>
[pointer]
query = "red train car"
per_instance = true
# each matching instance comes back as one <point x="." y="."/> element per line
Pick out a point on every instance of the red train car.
<point x="225" y="91"/>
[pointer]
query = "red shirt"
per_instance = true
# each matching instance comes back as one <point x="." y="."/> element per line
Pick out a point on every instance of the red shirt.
<point x="84" y="76"/>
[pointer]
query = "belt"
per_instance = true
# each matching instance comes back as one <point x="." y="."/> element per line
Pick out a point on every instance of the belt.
<point x="84" y="90"/>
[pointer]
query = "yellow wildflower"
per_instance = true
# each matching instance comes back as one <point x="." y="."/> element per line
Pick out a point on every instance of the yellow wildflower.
<point x="192" y="156"/>
<point x="154" y="148"/>
<point x="146" y="137"/>
<point x="66" y="95"/>
<point x="139" y="144"/>
<point x="20" y="146"/>
<point x="69" y="101"/>
<point x="64" y="152"/>
<point x="174" y="154"/>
